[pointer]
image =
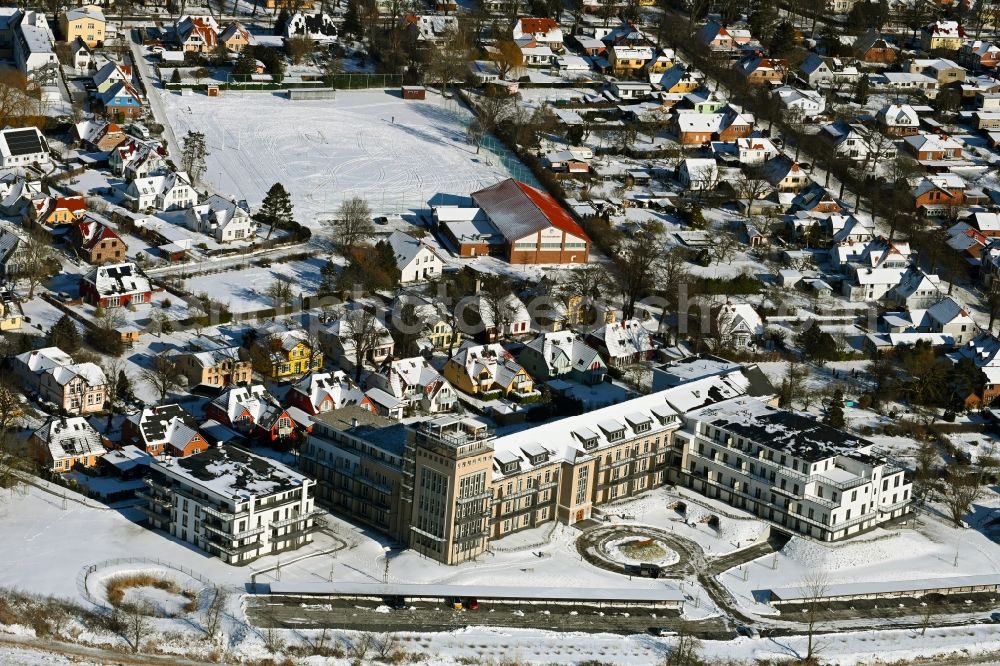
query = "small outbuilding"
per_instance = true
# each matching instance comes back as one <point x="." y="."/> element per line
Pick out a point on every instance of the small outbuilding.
<point x="414" y="92"/>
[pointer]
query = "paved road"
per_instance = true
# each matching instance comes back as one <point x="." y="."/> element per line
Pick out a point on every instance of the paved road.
<point x="153" y="97"/>
<point x="76" y="651"/>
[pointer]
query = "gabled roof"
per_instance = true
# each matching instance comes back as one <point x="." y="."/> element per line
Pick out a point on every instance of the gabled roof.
<point x="70" y="438"/>
<point x="92" y="232"/>
<point x="165" y="424"/>
<point x="624" y="338"/>
<point x="405" y="248"/>
<point x="518" y="210"/>
<point x="117" y="279"/>
<point x="318" y="387"/>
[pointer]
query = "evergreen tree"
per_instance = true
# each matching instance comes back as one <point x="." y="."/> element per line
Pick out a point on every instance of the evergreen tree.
<point x="834" y="416"/>
<point x="176" y="76"/>
<point x="281" y="21"/>
<point x="352" y="20"/>
<point x="65" y="335"/>
<point x="124" y="386"/>
<point x="782" y="41"/>
<point x="817" y="345"/>
<point x="861" y="89"/>
<point x="276" y="209"/>
<point x="328" y="280"/>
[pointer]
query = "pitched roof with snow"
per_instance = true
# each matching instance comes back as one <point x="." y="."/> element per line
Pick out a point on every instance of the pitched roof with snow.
<point x="69" y="438"/>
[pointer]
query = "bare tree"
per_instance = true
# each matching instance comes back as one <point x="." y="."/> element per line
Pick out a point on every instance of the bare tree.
<point x="752" y="185"/>
<point x="686" y="649"/>
<point x="361" y="646"/>
<point x="639" y="263"/>
<point x="36" y="262"/>
<point x="386" y="647"/>
<point x="136" y="623"/>
<point x="498" y="308"/>
<point x="814" y="586"/>
<point x="280" y="292"/>
<point x="218" y="596"/>
<point x="353" y="223"/>
<point x="961" y="488"/>
<point x="723" y="247"/>
<point x="162" y="376"/>
<point x="360" y="328"/>
<point x="506" y="55"/>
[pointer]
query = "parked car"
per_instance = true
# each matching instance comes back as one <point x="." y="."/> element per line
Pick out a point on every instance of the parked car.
<point x="472" y="603"/>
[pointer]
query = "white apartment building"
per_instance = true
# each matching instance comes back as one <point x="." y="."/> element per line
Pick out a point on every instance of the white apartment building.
<point x="790" y="469"/>
<point x="230" y="503"/>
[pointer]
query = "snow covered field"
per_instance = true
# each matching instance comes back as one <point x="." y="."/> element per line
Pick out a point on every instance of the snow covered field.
<point x="397" y="154"/>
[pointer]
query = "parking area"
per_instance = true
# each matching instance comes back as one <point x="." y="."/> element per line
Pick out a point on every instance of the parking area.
<point x="297" y="612"/>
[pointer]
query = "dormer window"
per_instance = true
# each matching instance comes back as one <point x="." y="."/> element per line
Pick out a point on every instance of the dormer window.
<point x="510" y="467"/>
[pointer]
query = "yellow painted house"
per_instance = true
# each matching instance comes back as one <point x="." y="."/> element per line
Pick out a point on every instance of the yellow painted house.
<point x="54" y="211"/>
<point x="488" y="369"/>
<point x="86" y="23"/>
<point x="290" y="354"/>
<point x="625" y="60"/>
<point x="663" y="61"/>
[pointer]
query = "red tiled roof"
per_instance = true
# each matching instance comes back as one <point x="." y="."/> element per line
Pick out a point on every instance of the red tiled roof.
<point x="535" y="25"/>
<point x="93" y="232"/>
<point x="551" y="209"/>
<point x="72" y="204"/>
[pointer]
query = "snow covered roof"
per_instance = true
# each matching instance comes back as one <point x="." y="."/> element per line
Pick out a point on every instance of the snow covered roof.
<point x="664" y="592"/>
<point x="886" y="587"/>
<point x="624" y="338"/>
<point x="565" y="343"/>
<point x="406" y="248"/>
<point x="337" y="387"/>
<point x="70" y="438"/>
<point x="232" y="473"/>
<point x="91" y="374"/>
<point x="40" y="360"/>
<point x="118" y="279"/>
<point x="804" y="437"/>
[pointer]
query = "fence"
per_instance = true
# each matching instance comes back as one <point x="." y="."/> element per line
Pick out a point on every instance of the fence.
<point x="84" y="575"/>
<point x="347" y="81"/>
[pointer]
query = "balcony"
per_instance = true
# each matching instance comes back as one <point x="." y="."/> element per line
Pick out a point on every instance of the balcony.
<point x="245" y="534"/>
<point x="155" y="499"/>
<point x="277" y="524"/>
<point x="153" y="515"/>
<point x="889" y="508"/>
<point x="222" y="514"/>
<point x="842" y="484"/>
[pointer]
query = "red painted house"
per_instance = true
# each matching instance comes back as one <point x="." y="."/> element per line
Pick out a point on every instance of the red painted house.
<point x="254" y="412"/>
<point x="115" y="285"/>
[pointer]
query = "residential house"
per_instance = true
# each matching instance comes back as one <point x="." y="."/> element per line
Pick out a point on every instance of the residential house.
<point x="416" y="382"/>
<point x="819" y="71"/>
<point x="427" y="29"/>
<point x="340" y="341"/>
<point x="805" y="103"/>
<point x="946" y="316"/>
<point x="939" y="194"/>
<point x="253" y="412"/>
<point x="695" y="129"/>
<point x="487" y="372"/>
<point x="943" y="35"/>
<point x="437" y="330"/>
<point x="64" y="443"/>
<point x="752" y="151"/>
<point x="236" y="38"/>
<point x="898" y="120"/>
<point x="858" y="142"/>
<point x="96" y="242"/>
<point x="872" y="47"/>
<point x="112" y="73"/>
<point x="317" y="26"/>
<point x="120" y="101"/>
<point x="850" y="228"/>
<point x="163" y="192"/>
<point x="534" y="54"/>
<point x="901" y="83"/>
<point x="512" y="320"/>
<point x="197" y="34"/>
<point x="628" y="60"/>
<point x="416" y="261"/>
<point x="164" y="430"/>
<point x="631" y="90"/>
<point x="736" y="325"/>
<point x="718" y="37"/>
<point x="984" y="351"/>
<point x="137" y="159"/>
<point x="698" y="174"/>
<point x="563" y="354"/>
<point x="622" y="343"/>
<point x="55" y="211"/>
<point x="320" y="392"/>
<point x="23" y="147"/>
<point x="99" y="135"/>
<point x="784" y="175"/>
<point x="283" y="352"/>
<point x="945" y="72"/>
<point x="78" y="388"/>
<point x="212" y="365"/>
<point x="115" y="285"/>
<point x="932" y="147"/>
<point x="978" y="55"/>
<point x="544" y="31"/>
<point x="677" y="80"/>
<point x="11" y="314"/>
<point x="986" y="223"/>
<point x="916" y="289"/>
<point x="85" y="23"/>
<point x="223" y="219"/>
<point x="31" y="44"/>
<point x="662" y="62"/>
<point x="16" y="196"/>
<point x="759" y="70"/>
<point x="81" y="57"/>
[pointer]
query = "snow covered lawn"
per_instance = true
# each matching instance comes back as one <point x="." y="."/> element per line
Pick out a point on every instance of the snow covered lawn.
<point x="397" y="154"/>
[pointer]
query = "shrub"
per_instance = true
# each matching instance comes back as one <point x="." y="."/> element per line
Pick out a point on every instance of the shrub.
<point x="116" y="587"/>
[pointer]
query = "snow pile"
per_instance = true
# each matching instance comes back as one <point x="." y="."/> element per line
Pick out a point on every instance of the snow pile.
<point x="640" y="550"/>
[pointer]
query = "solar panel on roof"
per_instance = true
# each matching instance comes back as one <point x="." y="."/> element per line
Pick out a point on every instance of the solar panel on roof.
<point x="23" y="142"/>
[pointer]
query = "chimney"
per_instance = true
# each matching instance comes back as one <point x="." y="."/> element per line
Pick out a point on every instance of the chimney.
<point x="354" y="422"/>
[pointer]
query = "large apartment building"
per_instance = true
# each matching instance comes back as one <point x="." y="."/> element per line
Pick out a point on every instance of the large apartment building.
<point x="448" y="486"/>
<point x="790" y="469"/>
<point x="230" y="503"/>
